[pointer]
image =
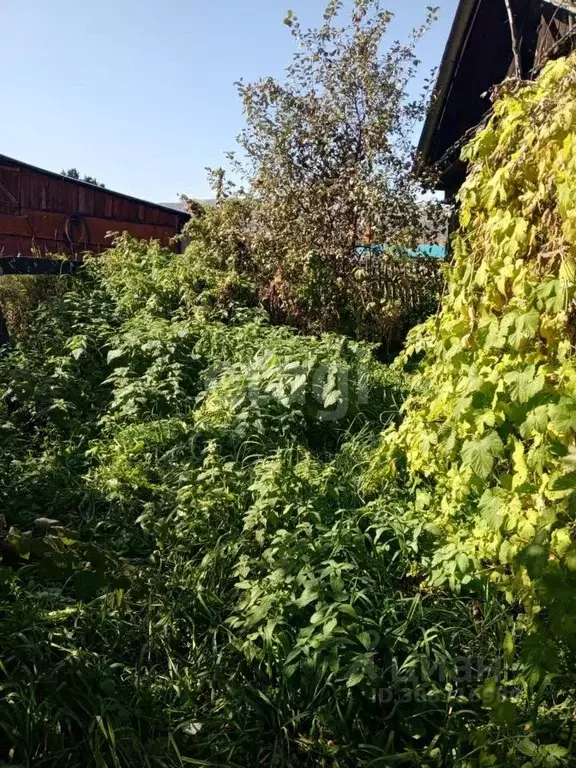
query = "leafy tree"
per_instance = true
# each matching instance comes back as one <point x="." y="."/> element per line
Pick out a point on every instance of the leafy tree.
<point x="73" y="173"/>
<point x="327" y="159"/>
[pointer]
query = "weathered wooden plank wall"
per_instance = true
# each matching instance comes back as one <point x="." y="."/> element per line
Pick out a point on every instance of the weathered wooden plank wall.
<point x="42" y="213"/>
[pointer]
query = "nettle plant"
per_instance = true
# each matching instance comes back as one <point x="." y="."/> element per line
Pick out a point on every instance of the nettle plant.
<point x="488" y="438"/>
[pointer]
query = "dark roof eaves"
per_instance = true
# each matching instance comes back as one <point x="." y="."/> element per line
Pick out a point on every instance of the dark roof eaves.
<point x="449" y="64"/>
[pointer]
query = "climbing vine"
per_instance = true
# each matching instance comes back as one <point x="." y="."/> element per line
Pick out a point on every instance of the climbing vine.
<point x="489" y="435"/>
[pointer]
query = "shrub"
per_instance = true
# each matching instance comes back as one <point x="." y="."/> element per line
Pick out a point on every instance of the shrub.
<point x="20" y="296"/>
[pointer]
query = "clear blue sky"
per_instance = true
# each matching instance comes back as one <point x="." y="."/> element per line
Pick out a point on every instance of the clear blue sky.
<point x="140" y="93"/>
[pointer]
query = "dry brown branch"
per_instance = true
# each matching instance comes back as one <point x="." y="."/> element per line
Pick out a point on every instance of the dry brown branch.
<point x="515" y="44"/>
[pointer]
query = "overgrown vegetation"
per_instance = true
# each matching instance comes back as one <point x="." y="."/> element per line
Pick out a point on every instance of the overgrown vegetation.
<point x="189" y="568"/>
<point x="226" y="543"/>
<point x="21" y="295"/>
<point x="192" y="571"/>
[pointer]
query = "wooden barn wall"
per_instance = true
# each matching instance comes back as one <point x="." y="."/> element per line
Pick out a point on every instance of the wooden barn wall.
<point x="41" y="213"/>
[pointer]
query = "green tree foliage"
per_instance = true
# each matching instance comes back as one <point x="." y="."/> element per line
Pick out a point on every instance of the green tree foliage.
<point x="326" y="159"/>
<point x="73" y="173"/>
<point x="488" y="438"/>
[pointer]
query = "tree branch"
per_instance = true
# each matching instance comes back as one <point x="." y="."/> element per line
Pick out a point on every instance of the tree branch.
<point x="514" y="36"/>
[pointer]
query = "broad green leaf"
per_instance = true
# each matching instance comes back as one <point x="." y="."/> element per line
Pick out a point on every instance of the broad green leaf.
<point x="463" y="562"/>
<point x="355" y="678"/>
<point x="329" y="627"/>
<point x="366" y="640"/>
<point x="563" y="415"/>
<point x="536" y="422"/>
<point x="479" y="455"/>
<point x="524" y="385"/>
<point x="309" y="595"/>
<point x="527" y="747"/>
<point x="491" y="507"/>
<point x="525" y="328"/>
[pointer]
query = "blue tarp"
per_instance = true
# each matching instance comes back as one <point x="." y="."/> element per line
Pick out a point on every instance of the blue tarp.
<point x="432" y="251"/>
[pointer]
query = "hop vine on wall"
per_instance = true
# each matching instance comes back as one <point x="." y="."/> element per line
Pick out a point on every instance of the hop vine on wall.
<point x="489" y="434"/>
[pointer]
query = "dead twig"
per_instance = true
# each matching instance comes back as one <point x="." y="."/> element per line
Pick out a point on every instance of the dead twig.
<point x="515" y="44"/>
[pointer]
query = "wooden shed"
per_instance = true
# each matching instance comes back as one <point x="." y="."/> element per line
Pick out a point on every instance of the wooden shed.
<point x="44" y="213"/>
<point x="489" y="41"/>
